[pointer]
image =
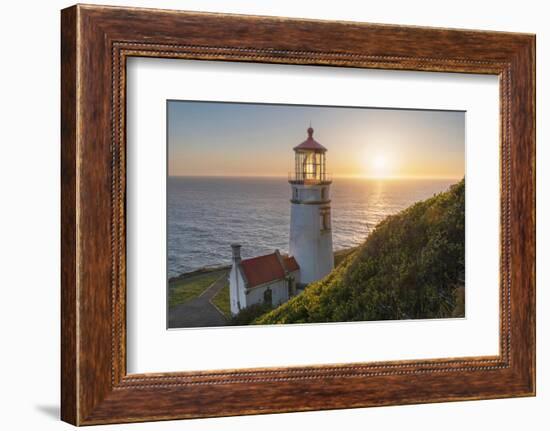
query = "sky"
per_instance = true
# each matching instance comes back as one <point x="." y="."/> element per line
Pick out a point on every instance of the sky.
<point x="236" y="139"/>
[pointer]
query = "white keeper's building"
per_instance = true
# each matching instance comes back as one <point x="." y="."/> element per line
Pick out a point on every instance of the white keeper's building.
<point x="264" y="279"/>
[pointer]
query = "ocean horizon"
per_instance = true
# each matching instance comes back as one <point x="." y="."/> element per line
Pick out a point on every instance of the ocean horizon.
<point x="206" y="214"/>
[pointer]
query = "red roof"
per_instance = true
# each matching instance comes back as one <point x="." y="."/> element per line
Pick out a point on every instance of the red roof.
<point x="290" y="264"/>
<point x="310" y="143"/>
<point x="263" y="269"/>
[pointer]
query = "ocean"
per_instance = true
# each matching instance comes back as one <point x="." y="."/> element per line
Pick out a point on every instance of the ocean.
<point x="207" y="214"/>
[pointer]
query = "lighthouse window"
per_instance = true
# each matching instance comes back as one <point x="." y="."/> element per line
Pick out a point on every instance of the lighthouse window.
<point x="325" y="219"/>
<point x="323" y="193"/>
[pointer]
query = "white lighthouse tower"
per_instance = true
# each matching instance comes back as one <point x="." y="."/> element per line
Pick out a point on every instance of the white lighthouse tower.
<point x="310" y="221"/>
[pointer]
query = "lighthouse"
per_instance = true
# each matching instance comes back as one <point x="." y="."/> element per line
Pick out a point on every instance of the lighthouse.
<point x="310" y="220"/>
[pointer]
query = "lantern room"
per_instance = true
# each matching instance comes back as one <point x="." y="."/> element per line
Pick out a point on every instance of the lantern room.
<point x="310" y="163"/>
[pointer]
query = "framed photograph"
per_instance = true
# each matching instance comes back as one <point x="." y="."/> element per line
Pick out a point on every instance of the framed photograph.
<point x="265" y="215"/>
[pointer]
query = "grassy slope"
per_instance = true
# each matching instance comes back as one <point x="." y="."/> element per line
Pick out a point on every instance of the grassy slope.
<point x="183" y="290"/>
<point x="221" y="300"/>
<point x="411" y="266"/>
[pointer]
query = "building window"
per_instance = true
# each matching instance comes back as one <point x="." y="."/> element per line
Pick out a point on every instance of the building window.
<point x="295" y="194"/>
<point x="323" y="193"/>
<point x="268" y="297"/>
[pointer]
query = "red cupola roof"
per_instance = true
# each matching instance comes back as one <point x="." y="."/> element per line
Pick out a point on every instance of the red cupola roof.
<point x="310" y="144"/>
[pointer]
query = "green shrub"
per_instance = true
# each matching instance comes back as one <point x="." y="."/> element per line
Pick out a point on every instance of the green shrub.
<point x="248" y="314"/>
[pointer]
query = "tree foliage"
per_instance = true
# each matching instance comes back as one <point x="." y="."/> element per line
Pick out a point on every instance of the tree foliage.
<point x="410" y="267"/>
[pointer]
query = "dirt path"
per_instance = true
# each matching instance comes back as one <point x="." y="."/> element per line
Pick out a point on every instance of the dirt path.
<point x="199" y="312"/>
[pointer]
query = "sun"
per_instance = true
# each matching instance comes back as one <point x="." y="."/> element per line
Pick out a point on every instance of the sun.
<point x="379" y="165"/>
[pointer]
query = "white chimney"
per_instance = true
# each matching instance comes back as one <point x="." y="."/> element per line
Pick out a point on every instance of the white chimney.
<point x="236" y="253"/>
